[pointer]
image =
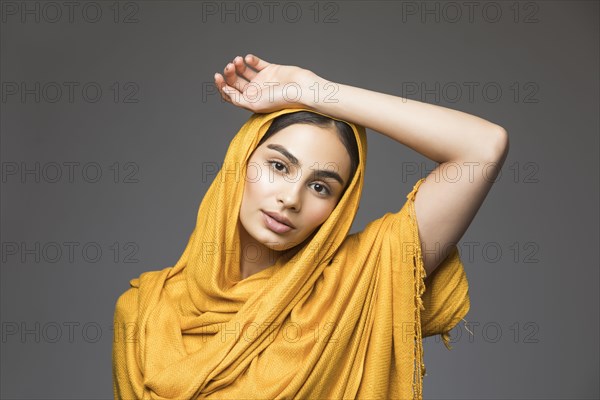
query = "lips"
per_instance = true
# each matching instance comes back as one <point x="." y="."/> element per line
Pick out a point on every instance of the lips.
<point x="279" y="218"/>
<point x="274" y="224"/>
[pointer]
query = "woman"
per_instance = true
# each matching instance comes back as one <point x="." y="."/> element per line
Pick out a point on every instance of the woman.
<point x="272" y="298"/>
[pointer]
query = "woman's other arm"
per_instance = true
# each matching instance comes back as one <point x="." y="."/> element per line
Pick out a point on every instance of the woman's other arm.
<point x="474" y="147"/>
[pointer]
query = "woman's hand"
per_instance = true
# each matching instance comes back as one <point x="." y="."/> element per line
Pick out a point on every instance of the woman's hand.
<point x="262" y="87"/>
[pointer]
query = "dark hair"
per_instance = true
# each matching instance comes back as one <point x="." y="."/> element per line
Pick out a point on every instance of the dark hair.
<point x="344" y="131"/>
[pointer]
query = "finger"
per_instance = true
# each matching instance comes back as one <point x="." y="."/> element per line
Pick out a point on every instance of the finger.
<point x="256" y="62"/>
<point x="220" y="83"/>
<point x="224" y="96"/>
<point x="235" y="97"/>
<point x="242" y="69"/>
<point x="225" y="91"/>
<point x="228" y="93"/>
<point x="233" y="79"/>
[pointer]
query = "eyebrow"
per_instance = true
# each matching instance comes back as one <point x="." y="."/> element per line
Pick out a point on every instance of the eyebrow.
<point x="320" y="173"/>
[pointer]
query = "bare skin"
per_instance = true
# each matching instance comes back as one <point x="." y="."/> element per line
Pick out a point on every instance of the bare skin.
<point x="291" y="188"/>
<point x="476" y="147"/>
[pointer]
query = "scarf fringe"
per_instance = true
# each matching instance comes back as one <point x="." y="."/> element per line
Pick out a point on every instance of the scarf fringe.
<point x="420" y="274"/>
<point x="446" y="335"/>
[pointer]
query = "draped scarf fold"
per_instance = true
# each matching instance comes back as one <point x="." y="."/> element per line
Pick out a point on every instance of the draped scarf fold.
<point x="343" y="318"/>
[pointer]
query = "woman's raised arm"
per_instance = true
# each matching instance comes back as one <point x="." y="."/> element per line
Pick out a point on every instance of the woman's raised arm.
<point x="474" y="146"/>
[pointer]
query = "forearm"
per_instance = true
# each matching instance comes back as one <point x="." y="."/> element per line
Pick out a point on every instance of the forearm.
<point x="440" y="134"/>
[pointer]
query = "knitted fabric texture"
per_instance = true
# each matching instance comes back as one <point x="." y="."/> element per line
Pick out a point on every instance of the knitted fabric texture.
<point x="343" y="318"/>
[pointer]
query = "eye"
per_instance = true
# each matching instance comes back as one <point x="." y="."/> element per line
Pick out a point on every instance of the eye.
<point x="322" y="190"/>
<point x="277" y="165"/>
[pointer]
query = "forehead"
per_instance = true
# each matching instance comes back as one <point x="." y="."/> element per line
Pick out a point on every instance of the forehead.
<point x="311" y="143"/>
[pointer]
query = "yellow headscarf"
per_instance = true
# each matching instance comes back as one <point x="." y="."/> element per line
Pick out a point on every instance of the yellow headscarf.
<point x="342" y="319"/>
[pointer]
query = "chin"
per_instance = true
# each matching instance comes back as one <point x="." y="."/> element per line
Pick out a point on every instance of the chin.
<point x="267" y="238"/>
<point x="278" y="243"/>
<point x="275" y="243"/>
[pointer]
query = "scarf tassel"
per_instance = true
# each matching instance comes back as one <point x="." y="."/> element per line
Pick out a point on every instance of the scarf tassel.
<point x="420" y="274"/>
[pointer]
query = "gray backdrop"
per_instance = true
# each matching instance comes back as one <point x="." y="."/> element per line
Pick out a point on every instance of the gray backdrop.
<point x="112" y="131"/>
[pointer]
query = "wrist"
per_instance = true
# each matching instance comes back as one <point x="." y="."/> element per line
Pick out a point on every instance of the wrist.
<point x="313" y="89"/>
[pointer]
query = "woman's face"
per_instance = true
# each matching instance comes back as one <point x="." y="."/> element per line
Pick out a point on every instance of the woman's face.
<point x="298" y="174"/>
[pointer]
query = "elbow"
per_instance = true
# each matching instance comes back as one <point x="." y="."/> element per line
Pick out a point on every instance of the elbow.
<point x="497" y="149"/>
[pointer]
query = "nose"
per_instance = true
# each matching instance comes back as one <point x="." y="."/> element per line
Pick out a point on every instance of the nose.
<point x="289" y="195"/>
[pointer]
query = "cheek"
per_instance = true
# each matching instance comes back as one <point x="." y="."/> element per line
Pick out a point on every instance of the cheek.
<point x="257" y="184"/>
<point x="261" y="186"/>
<point x="319" y="212"/>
